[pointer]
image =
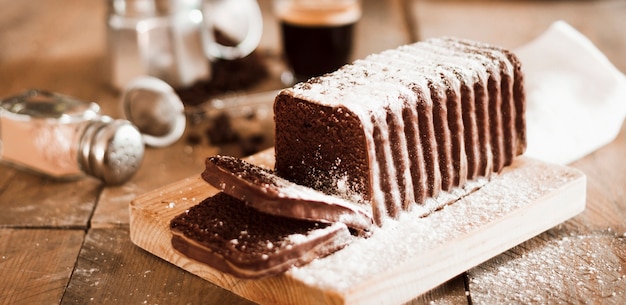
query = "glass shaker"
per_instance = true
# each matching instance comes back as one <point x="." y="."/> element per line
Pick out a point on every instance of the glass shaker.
<point x="173" y="40"/>
<point x="66" y="138"/>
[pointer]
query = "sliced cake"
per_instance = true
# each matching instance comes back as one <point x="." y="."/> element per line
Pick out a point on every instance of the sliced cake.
<point x="385" y="134"/>
<point x="268" y="193"/>
<point x="226" y="234"/>
<point x="401" y="126"/>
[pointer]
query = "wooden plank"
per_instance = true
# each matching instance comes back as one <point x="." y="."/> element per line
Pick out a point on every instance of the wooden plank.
<point x="8" y="173"/>
<point x="382" y="26"/>
<point x="406" y="257"/>
<point x="111" y="270"/>
<point x="578" y="261"/>
<point x="451" y="292"/>
<point x="55" y="46"/>
<point x="157" y="169"/>
<point x="601" y="21"/>
<point x="559" y="266"/>
<point x="30" y="200"/>
<point x="606" y="170"/>
<point x="28" y="278"/>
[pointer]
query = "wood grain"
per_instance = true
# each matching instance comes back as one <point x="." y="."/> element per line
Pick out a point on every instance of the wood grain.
<point x="451" y="292"/>
<point x="59" y="45"/>
<point x="111" y="270"/>
<point x="580" y="260"/>
<point x="36" y="201"/>
<point x="26" y="277"/>
<point x="158" y="169"/>
<point x="406" y="257"/>
<point x="514" y="23"/>
<point x="607" y="192"/>
<point x="559" y="266"/>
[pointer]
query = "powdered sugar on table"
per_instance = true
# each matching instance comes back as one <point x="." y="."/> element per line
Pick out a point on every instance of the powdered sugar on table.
<point x="398" y="241"/>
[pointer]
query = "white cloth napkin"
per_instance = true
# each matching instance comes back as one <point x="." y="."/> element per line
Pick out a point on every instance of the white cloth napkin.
<point x="576" y="99"/>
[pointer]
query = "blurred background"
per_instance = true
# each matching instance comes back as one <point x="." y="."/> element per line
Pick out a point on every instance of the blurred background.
<point x="61" y="46"/>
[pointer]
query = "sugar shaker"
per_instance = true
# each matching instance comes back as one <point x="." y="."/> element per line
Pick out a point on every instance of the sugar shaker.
<point x="65" y="138"/>
<point x="173" y="40"/>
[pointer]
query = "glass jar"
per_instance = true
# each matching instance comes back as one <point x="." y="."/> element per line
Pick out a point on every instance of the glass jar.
<point x="66" y="138"/>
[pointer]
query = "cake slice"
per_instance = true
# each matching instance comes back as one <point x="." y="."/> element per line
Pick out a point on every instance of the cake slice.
<point x="268" y="193"/>
<point x="226" y="234"/>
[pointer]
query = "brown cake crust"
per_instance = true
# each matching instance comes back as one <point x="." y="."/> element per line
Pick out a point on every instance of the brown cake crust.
<point x="263" y="190"/>
<point x="230" y="236"/>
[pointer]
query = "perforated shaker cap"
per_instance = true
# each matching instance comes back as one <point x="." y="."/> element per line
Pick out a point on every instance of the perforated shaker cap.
<point x="155" y="109"/>
<point x="111" y="150"/>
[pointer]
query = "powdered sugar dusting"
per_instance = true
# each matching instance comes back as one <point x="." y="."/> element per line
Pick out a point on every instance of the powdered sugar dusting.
<point x="344" y="191"/>
<point x="411" y="235"/>
<point x="265" y="191"/>
<point x="296" y="239"/>
<point x="436" y="77"/>
<point x="550" y="269"/>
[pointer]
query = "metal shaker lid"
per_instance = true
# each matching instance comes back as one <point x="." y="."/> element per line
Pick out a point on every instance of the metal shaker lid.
<point x="111" y="150"/>
<point x="157" y="111"/>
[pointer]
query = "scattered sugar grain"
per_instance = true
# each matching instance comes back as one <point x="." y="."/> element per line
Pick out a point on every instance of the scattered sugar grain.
<point x="396" y="244"/>
<point x="560" y="267"/>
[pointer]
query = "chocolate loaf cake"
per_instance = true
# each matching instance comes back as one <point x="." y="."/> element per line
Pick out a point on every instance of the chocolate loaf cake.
<point x="395" y="130"/>
<point x="226" y="234"/>
<point x="403" y="125"/>
<point x="264" y="191"/>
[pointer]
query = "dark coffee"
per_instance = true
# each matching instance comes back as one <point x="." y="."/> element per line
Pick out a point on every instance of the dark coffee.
<point x="313" y="50"/>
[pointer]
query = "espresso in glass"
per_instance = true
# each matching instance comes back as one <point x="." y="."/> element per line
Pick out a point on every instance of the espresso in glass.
<point x="317" y="36"/>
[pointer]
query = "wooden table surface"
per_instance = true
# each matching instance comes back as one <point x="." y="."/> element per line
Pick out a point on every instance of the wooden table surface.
<point x="68" y="242"/>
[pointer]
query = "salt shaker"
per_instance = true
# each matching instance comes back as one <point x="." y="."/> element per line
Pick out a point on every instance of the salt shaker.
<point x="65" y="138"/>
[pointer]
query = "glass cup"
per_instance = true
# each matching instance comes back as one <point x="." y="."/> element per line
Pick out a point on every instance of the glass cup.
<point x="317" y="35"/>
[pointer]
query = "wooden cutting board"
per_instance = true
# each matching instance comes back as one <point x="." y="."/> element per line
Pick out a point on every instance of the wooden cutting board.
<point x="404" y="258"/>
